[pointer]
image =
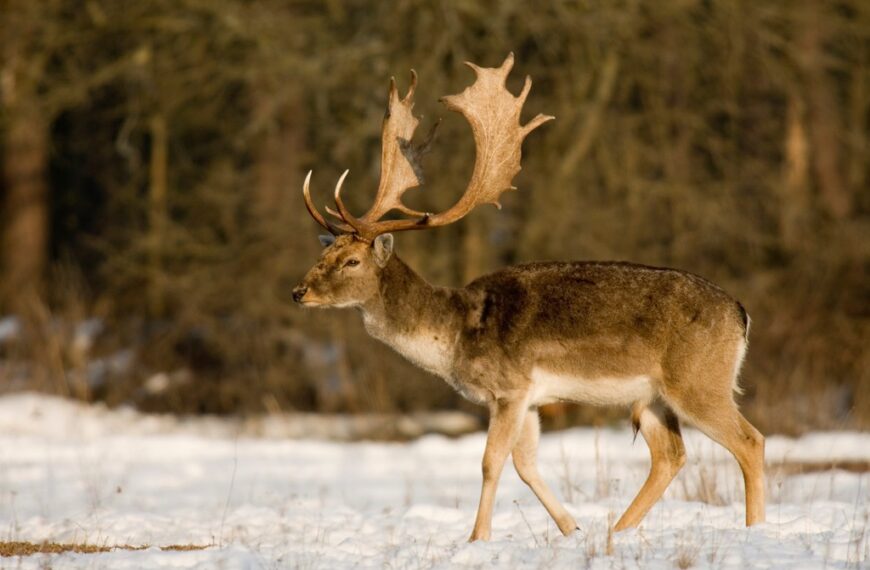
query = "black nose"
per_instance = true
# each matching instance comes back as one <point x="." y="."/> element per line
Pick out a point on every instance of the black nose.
<point x="299" y="292"/>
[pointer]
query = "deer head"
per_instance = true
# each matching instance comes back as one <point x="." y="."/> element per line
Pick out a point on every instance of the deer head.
<point x="348" y="269"/>
<point x="347" y="273"/>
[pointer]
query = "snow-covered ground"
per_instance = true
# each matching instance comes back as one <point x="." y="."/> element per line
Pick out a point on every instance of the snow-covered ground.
<point x="71" y="473"/>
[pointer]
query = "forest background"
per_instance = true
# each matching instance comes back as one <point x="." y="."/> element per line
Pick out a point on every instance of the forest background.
<point x="153" y="155"/>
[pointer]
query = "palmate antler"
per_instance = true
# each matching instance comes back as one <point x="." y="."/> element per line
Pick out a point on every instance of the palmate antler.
<point x="494" y="115"/>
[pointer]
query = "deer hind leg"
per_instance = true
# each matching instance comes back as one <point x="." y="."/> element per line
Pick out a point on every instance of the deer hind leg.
<point x="727" y="426"/>
<point x="661" y="430"/>
<point x="747" y="445"/>
<point x="505" y="423"/>
<point x="525" y="461"/>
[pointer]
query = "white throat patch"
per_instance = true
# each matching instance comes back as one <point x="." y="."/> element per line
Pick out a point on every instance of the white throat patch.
<point x="431" y="351"/>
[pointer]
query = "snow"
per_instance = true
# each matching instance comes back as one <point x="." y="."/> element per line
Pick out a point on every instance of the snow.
<point x="85" y="474"/>
<point x="10" y="328"/>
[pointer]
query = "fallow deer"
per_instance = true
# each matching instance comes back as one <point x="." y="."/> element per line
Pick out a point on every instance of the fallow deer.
<point x="667" y="343"/>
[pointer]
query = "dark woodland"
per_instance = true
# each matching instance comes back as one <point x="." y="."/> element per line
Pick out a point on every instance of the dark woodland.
<point x="153" y="155"/>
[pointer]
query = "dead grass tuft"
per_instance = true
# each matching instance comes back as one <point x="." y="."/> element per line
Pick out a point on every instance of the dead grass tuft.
<point x="686" y="557"/>
<point x="687" y="551"/>
<point x="23" y="548"/>
<point x="701" y="484"/>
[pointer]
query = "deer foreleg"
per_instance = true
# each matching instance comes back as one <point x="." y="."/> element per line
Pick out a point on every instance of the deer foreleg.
<point x="525" y="460"/>
<point x="506" y="419"/>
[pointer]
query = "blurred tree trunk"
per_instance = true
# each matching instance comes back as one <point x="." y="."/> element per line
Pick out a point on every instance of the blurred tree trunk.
<point x="157" y="211"/>
<point x="795" y="194"/>
<point x="544" y="220"/>
<point x="858" y="116"/>
<point x="25" y="164"/>
<point x="574" y="155"/>
<point x="823" y="111"/>
<point x="271" y="176"/>
<point x="277" y="159"/>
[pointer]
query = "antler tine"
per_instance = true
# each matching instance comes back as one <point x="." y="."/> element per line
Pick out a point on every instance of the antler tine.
<point x="400" y="170"/>
<point x="409" y="96"/>
<point x="334" y="229"/>
<point x="343" y="211"/>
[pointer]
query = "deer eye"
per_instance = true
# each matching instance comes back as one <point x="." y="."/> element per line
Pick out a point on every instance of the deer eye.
<point x="351" y="263"/>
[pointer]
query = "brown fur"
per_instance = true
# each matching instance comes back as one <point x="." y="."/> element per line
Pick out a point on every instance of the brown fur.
<point x="664" y="341"/>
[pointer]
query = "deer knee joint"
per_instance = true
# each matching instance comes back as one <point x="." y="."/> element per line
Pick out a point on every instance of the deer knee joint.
<point x="488" y="468"/>
<point x="758" y="440"/>
<point x="753" y="439"/>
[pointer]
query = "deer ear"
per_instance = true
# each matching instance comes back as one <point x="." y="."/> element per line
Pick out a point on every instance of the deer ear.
<point x="326" y="240"/>
<point x="383" y="249"/>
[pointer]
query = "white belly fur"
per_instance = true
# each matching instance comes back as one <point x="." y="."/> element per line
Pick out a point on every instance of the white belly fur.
<point x="551" y="387"/>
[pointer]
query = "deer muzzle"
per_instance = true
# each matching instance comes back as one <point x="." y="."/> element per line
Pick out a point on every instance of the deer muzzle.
<point x="299" y="292"/>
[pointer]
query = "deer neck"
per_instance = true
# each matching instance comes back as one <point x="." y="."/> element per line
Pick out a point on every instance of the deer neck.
<point x="421" y="322"/>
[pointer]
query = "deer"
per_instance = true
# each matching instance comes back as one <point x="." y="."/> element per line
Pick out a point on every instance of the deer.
<point x="664" y="343"/>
